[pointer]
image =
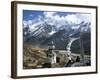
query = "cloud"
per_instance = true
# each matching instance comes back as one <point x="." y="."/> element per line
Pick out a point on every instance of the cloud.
<point x="31" y="15"/>
<point x="49" y="14"/>
<point x="25" y="24"/>
<point x="30" y="22"/>
<point x="78" y="18"/>
<point x="53" y="18"/>
<point x="70" y="18"/>
<point x="84" y="17"/>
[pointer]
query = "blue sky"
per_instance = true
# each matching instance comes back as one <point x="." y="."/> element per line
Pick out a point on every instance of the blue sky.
<point x="31" y="14"/>
<point x="61" y="18"/>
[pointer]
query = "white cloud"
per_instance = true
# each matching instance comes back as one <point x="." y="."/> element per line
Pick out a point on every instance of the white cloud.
<point x="53" y="18"/>
<point x="49" y="14"/>
<point x="72" y="18"/>
<point x="25" y="24"/>
<point x="30" y="22"/>
<point x="78" y="18"/>
<point x="31" y="15"/>
<point x="85" y="17"/>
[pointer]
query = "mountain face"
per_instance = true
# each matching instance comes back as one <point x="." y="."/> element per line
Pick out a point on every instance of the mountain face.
<point x="86" y="39"/>
<point x="42" y="33"/>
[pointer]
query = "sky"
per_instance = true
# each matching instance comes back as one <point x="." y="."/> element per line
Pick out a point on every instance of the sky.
<point x="60" y="18"/>
<point x="31" y="14"/>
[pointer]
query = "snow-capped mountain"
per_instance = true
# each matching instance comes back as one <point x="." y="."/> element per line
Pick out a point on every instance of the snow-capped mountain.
<point x="45" y="29"/>
<point x="43" y="32"/>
